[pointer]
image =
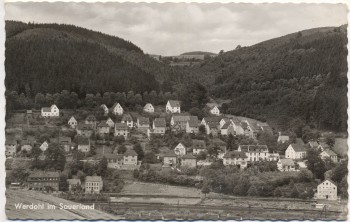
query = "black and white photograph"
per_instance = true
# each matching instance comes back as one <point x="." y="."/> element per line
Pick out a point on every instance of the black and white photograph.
<point x="175" y="111"/>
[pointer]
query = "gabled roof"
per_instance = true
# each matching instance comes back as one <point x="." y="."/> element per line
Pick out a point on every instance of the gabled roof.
<point x="196" y="144"/>
<point x="324" y="145"/>
<point x="329" y="181"/>
<point x="159" y="122"/>
<point x="116" y="104"/>
<point x="182" y="118"/>
<point x="188" y="156"/>
<point x="313" y="144"/>
<point x="235" y="154"/>
<point x="212" y="119"/>
<point x="93" y="179"/>
<point x="226" y="125"/>
<point x="244" y="125"/>
<point x="143" y="120"/>
<point x="130" y="153"/>
<point x="11" y="142"/>
<point x="298" y="147"/>
<point x="283" y="138"/>
<point x="121" y="126"/>
<point x="72" y="119"/>
<point x="83" y="126"/>
<point x="214" y="125"/>
<point x="127" y="117"/>
<point x="148" y="104"/>
<point x="103" y="124"/>
<point x="112" y="156"/>
<point x="330" y="152"/>
<point x="193" y="123"/>
<point x="170" y="154"/>
<point x="90" y="118"/>
<point x="174" y="103"/>
<point x="83" y="140"/>
<point x="41" y="174"/>
<point x="287" y="162"/>
<point x="46" y="109"/>
<point x="109" y="119"/>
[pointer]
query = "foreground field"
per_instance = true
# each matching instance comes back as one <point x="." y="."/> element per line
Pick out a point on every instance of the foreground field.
<point x="28" y="197"/>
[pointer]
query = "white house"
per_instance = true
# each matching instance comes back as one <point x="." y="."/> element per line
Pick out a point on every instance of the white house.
<point x="110" y="123"/>
<point x="128" y="120"/>
<point x="327" y="190"/>
<point x="295" y="151"/>
<point x="282" y="138"/>
<point x="105" y="109"/>
<point x="173" y="106"/>
<point x="180" y="149"/>
<point x="72" y="122"/>
<point x="148" y="108"/>
<point x="215" y="111"/>
<point x="285" y="165"/>
<point x="117" y="109"/>
<point x="235" y="158"/>
<point x="44" y="146"/>
<point x="329" y="154"/>
<point x="255" y="152"/>
<point x="198" y="146"/>
<point x="51" y="111"/>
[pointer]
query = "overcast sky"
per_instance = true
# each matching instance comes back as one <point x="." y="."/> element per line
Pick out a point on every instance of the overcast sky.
<point x="174" y="28"/>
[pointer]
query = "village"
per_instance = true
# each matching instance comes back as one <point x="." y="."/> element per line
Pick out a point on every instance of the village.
<point x="126" y="141"/>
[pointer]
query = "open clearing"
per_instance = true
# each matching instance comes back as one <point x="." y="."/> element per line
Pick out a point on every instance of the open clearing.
<point x="341" y="146"/>
<point x="32" y="197"/>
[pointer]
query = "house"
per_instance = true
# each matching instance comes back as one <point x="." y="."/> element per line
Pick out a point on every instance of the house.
<point x="236" y="158"/>
<point x="73" y="184"/>
<point x="274" y="157"/>
<point x="198" y="146"/>
<point x="10" y="147"/>
<point x="224" y="120"/>
<point x="215" y="111"/>
<point x="44" y="146"/>
<point x="105" y="109"/>
<point x="212" y="128"/>
<point x="114" y="160"/>
<point x="148" y="108"/>
<point x="285" y="165"/>
<point x="128" y="120"/>
<point x="227" y="129"/>
<point x="282" y="138"/>
<point x="170" y="159"/>
<point x="93" y="184"/>
<point x="65" y="142"/>
<point x="51" y="111"/>
<point x="117" y="109"/>
<point x="192" y="126"/>
<point x="85" y="129"/>
<point x="72" y="122"/>
<point x="188" y="160"/>
<point x="313" y="144"/>
<point x="295" y="151"/>
<point x="121" y="129"/>
<point x="255" y="152"/>
<point x="103" y="128"/>
<point x="212" y="119"/>
<point x="83" y="144"/>
<point x="328" y="153"/>
<point x="142" y="123"/>
<point x="180" y="149"/>
<point x="173" y="106"/>
<point x="181" y="121"/>
<point x="245" y="128"/>
<point x="130" y="157"/>
<point x="91" y="120"/>
<point x="323" y="146"/>
<point x="159" y="126"/>
<point x="41" y="180"/>
<point x="327" y="190"/>
<point x="110" y="123"/>
<point x="26" y="145"/>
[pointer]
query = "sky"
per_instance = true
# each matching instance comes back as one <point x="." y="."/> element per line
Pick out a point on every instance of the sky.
<point x="174" y="28"/>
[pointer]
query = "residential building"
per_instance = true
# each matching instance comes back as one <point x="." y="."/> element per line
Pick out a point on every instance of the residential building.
<point x="44" y="146"/>
<point x="274" y="157"/>
<point x="110" y="123"/>
<point x="85" y="130"/>
<point x="65" y="142"/>
<point x="121" y="129"/>
<point x="323" y="146"/>
<point x="103" y="128"/>
<point x="170" y="159"/>
<point x="91" y="120"/>
<point x="282" y="138"/>
<point x="130" y="157"/>
<point x="313" y="144"/>
<point x="285" y="165"/>
<point x="173" y="106"/>
<point x="159" y="126"/>
<point x="128" y="120"/>
<point x="198" y="146"/>
<point x="192" y="126"/>
<point x="227" y="129"/>
<point x="117" y="109"/>
<point x="188" y="160"/>
<point x="180" y="121"/>
<point x="180" y="149"/>
<point x="215" y="111"/>
<point x="83" y="144"/>
<point x="51" y="111"/>
<point x="10" y="147"/>
<point x="114" y="160"/>
<point x="105" y="109"/>
<point x="212" y="128"/>
<point x="255" y="152"/>
<point x="40" y="180"/>
<point x="143" y="123"/>
<point x="224" y="120"/>
<point x="93" y="184"/>
<point x="327" y="190"/>
<point x="27" y="145"/>
<point x="72" y="122"/>
<point x="212" y="119"/>
<point x="328" y="153"/>
<point x="148" y="108"/>
<point x="236" y="158"/>
<point x="295" y="151"/>
<point x="73" y="184"/>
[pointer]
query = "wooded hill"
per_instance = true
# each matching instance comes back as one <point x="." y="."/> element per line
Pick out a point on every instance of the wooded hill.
<point x="296" y="78"/>
<point x="49" y="58"/>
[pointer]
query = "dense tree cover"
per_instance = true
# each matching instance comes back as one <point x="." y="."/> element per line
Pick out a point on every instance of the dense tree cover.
<point x="193" y="96"/>
<point x="295" y="77"/>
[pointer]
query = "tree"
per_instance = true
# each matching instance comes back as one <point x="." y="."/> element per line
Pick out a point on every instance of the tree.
<point x="294" y="193"/>
<point x="202" y="129"/>
<point x="193" y="95"/>
<point x="315" y="164"/>
<point x="102" y="166"/>
<point x="252" y="191"/>
<point x="121" y="149"/>
<point x="150" y="157"/>
<point x="277" y="192"/>
<point x="56" y="157"/>
<point x="205" y="189"/>
<point x="63" y="184"/>
<point x="213" y="151"/>
<point x="221" y="52"/>
<point x="202" y="155"/>
<point x="138" y="149"/>
<point x="330" y="140"/>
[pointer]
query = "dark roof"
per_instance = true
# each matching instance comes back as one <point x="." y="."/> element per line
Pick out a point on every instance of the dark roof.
<point x="330" y="152"/>
<point x="90" y="118"/>
<point x="253" y="148"/>
<point x="11" y="142"/>
<point x="174" y="103"/>
<point x="130" y="153"/>
<point x="112" y="156"/>
<point x="115" y="104"/>
<point x="127" y="117"/>
<point x="188" y="156"/>
<point x="182" y="118"/>
<point x="193" y="123"/>
<point x="244" y="125"/>
<point x="298" y="147"/>
<point x="198" y="144"/>
<point x="93" y="179"/>
<point x="83" y="140"/>
<point x="170" y="154"/>
<point x="43" y="174"/>
<point x="212" y="119"/>
<point x="235" y="154"/>
<point x="313" y="144"/>
<point x="143" y="120"/>
<point x="159" y="122"/>
<point x="64" y="139"/>
<point x="83" y="126"/>
<point x="103" y="124"/>
<point x="46" y="109"/>
<point x="121" y="126"/>
<point x="213" y="124"/>
<point x="226" y="125"/>
<point x="324" y="145"/>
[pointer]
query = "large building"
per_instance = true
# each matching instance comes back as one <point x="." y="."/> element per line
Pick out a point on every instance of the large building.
<point x="93" y="184"/>
<point x="41" y="180"/>
<point x="173" y="106"/>
<point x="236" y="158"/>
<point x="51" y="111"/>
<point x="255" y="152"/>
<point x="327" y="190"/>
<point x="121" y="129"/>
<point x="295" y="151"/>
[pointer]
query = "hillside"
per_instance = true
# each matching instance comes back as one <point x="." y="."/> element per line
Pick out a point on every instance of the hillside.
<point x="298" y="77"/>
<point x="198" y="53"/>
<point x="52" y="57"/>
<point x="28" y="197"/>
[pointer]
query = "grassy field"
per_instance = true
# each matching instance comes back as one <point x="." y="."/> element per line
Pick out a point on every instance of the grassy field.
<point x="341" y="146"/>
<point x="29" y="197"/>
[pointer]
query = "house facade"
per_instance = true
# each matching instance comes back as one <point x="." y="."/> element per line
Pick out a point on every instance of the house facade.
<point x="198" y="146"/>
<point x="65" y="142"/>
<point x="328" y="153"/>
<point x="93" y="184"/>
<point x="180" y="149"/>
<point x="121" y="129"/>
<point x="148" y="108"/>
<point x="72" y="122"/>
<point x="44" y="146"/>
<point x="215" y="111"/>
<point x="192" y="127"/>
<point x="103" y="128"/>
<point x="10" y="148"/>
<point x="227" y="129"/>
<point x="170" y="159"/>
<point x="40" y="180"/>
<point x="73" y="184"/>
<point x="173" y="106"/>
<point x="51" y="111"/>
<point x="235" y="158"/>
<point x="117" y="109"/>
<point x="285" y="165"/>
<point x="143" y="123"/>
<point x="110" y="123"/>
<point x="128" y="120"/>
<point x="255" y="152"/>
<point x="188" y="160"/>
<point x="83" y="144"/>
<point x="295" y="151"/>
<point x="105" y="109"/>
<point x="327" y="190"/>
<point x="91" y="120"/>
<point x="130" y="157"/>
